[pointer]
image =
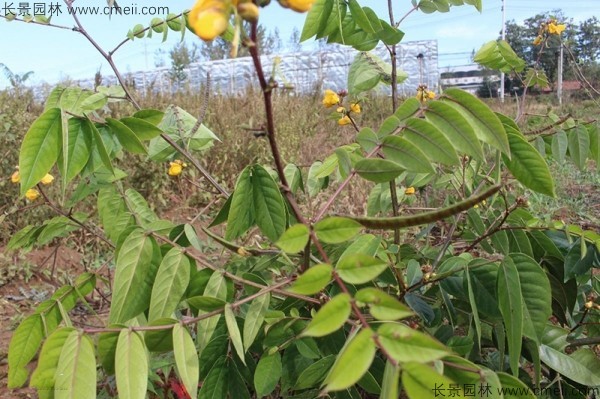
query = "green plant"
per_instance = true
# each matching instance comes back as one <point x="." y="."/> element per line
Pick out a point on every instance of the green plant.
<point x="468" y="297"/>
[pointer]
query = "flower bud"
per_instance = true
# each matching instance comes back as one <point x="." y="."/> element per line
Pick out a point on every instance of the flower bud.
<point x="248" y="11"/>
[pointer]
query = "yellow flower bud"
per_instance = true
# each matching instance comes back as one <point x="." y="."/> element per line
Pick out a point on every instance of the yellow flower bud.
<point x="32" y="194"/>
<point x="345" y="120"/>
<point x="175" y="168"/>
<point x="208" y="18"/>
<point x="297" y="5"/>
<point x="430" y="95"/>
<point x="248" y="11"/>
<point x="47" y="179"/>
<point x="340" y="110"/>
<point x="538" y="40"/>
<point x="355" y="108"/>
<point x="330" y="99"/>
<point x="16" y="177"/>
<point x="409" y="191"/>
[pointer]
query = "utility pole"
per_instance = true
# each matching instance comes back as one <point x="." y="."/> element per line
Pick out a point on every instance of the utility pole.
<point x="559" y="88"/>
<point x="503" y="38"/>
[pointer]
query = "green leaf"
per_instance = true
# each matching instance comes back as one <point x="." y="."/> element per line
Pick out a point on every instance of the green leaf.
<point x="131" y="366"/>
<point x="234" y="332"/>
<point x="150" y="115"/>
<point x="241" y="211"/>
<point x="381" y="305"/>
<point x="559" y="145"/>
<point x="215" y="384"/>
<point x="579" y="146"/>
<point x="293" y="175"/>
<point x="431" y="141"/>
<point x="294" y="239"/>
<point x="24" y="344"/>
<point x="97" y="144"/>
<point x="40" y="148"/>
<point x="594" y="133"/>
<point x="316" y="19"/>
<point x="420" y="382"/>
<point x="353" y="361"/>
<point x="206" y="303"/>
<point x="582" y="366"/>
<point x="510" y="301"/>
<point x="43" y="376"/>
<point x="313" y="280"/>
<point x="76" y="369"/>
<point x="407" y="345"/>
<point x="269" y="208"/>
<point x="486" y="124"/>
<point x="378" y="170"/>
<point x="455" y="127"/>
<point x="361" y="18"/>
<point x="360" y="268"/>
<point x="537" y="77"/>
<point x="498" y="55"/>
<point x="315" y="373"/>
<point x="528" y="166"/>
<point x="170" y="284"/>
<point x="126" y="136"/>
<point x="512" y="385"/>
<point x="267" y="374"/>
<point x="186" y="359"/>
<point x="94" y="102"/>
<point x="367" y="71"/>
<point x="335" y="230"/>
<point x="537" y="296"/>
<point x="330" y="318"/>
<point x="144" y="130"/>
<point x="391" y="378"/>
<point x="255" y="316"/>
<point x="133" y="277"/>
<point x="79" y="148"/>
<point x="406" y="154"/>
<point x="216" y="287"/>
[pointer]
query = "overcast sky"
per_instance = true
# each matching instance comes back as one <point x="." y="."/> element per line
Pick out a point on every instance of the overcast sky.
<point x="54" y="54"/>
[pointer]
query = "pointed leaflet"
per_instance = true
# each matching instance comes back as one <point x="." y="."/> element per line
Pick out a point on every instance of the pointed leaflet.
<point x="381" y="305"/>
<point x="430" y="140"/>
<point x="76" y="368"/>
<point x="241" y="210"/>
<point x="360" y="268"/>
<point x="406" y="154"/>
<point x="579" y="146"/>
<point x="144" y="130"/>
<point x="335" y="230"/>
<point x="126" y="136"/>
<point x="378" y="170"/>
<point x="407" y="345"/>
<point x="421" y="381"/>
<point x="330" y="317"/>
<point x="267" y="374"/>
<point x="97" y="144"/>
<point x="78" y="149"/>
<point x="269" y="208"/>
<point x="40" y="148"/>
<point x="215" y="384"/>
<point x="131" y="366"/>
<point x="234" y="332"/>
<point x="581" y="366"/>
<point x="316" y="19"/>
<point x="510" y="383"/>
<point x="23" y="346"/>
<point x="510" y="301"/>
<point x="353" y="361"/>
<point x="537" y="296"/>
<point x="186" y="359"/>
<point x="391" y="378"/>
<point x="294" y="239"/>
<point x="255" y="316"/>
<point x="170" y="284"/>
<point x="527" y="165"/>
<point x="486" y="124"/>
<point x="216" y="287"/>
<point x="455" y="127"/>
<point x="559" y="144"/>
<point x="132" y="288"/>
<point x="313" y="280"/>
<point x="43" y="376"/>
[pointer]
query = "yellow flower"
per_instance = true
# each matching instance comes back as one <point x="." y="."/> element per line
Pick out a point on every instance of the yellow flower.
<point x="430" y="95"/>
<point x="331" y="98"/>
<point x="340" y="110"/>
<point x="555" y="29"/>
<point x="297" y="5"/>
<point x="47" y="179"/>
<point x="176" y="167"/>
<point x="409" y="191"/>
<point x="208" y="18"/>
<point x="32" y="194"/>
<point x="421" y="94"/>
<point x="344" y="121"/>
<point x="355" y="108"/>
<point x="16" y="177"/>
<point x="538" y="40"/>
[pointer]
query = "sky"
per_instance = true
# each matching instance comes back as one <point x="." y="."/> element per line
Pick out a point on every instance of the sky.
<point x="56" y="54"/>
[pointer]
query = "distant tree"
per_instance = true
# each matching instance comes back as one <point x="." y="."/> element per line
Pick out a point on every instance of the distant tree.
<point x="219" y="49"/>
<point x="587" y="44"/>
<point x="181" y="57"/>
<point x="16" y="80"/>
<point x="293" y="45"/>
